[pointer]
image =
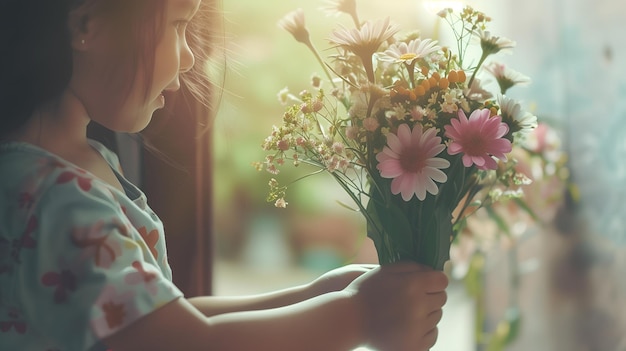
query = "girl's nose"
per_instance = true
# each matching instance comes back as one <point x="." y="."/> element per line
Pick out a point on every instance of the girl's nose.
<point x="187" y="58"/>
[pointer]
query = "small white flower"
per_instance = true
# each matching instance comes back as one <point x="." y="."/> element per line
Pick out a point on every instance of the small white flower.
<point x="364" y="41"/>
<point x="505" y="76"/>
<point x="492" y="44"/>
<point x="513" y="115"/>
<point x="294" y="23"/>
<point x="336" y="7"/>
<point x="283" y="95"/>
<point x="281" y="203"/>
<point x="477" y="92"/>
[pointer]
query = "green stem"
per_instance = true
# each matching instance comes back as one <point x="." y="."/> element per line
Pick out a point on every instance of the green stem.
<point x="480" y="63"/>
<point x="411" y="68"/>
<point x="321" y="62"/>
<point x="369" y="68"/>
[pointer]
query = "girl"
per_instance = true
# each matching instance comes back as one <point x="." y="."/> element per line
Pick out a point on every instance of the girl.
<point x="76" y="272"/>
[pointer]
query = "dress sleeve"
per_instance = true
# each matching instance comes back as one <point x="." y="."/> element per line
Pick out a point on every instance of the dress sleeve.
<point x="85" y="272"/>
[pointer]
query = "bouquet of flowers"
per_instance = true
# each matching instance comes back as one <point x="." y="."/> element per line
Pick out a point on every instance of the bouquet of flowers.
<point x="406" y="128"/>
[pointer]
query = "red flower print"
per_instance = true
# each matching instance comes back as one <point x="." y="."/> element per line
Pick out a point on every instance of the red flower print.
<point x="65" y="282"/>
<point x="5" y="256"/>
<point x="13" y="323"/>
<point x="147" y="276"/>
<point x="142" y="276"/>
<point x="26" y="200"/>
<point x="114" y="314"/>
<point x="118" y="309"/>
<point x="83" y="182"/>
<point x="14" y="248"/>
<point x="151" y="239"/>
<point x="94" y="239"/>
<point x="27" y="240"/>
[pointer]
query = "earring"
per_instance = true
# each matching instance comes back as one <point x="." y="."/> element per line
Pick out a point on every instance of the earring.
<point x="82" y="41"/>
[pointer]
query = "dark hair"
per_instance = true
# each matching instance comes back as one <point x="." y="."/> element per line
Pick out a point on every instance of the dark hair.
<point x="36" y="63"/>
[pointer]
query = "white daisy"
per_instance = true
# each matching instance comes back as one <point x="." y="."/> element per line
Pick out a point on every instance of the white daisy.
<point x="411" y="51"/>
<point x="492" y="44"/>
<point x="505" y="76"/>
<point x="517" y="119"/>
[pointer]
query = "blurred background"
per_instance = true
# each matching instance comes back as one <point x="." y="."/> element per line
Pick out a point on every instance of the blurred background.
<point x="555" y="285"/>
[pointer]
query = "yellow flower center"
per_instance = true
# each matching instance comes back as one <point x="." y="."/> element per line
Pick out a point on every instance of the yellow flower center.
<point x="408" y="56"/>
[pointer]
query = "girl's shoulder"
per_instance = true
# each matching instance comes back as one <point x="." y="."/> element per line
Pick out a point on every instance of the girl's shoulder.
<point x="26" y="166"/>
<point x="23" y="163"/>
<point x="33" y="179"/>
<point x="26" y="163"/>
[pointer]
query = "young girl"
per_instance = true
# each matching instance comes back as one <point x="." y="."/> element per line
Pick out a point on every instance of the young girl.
<point x="76" y="270"/>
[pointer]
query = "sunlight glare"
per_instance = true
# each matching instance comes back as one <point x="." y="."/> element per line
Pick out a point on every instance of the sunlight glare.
<point x="434" y="6"/>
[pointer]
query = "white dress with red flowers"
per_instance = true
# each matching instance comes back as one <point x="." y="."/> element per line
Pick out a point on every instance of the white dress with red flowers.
<point x="79" y="260"/>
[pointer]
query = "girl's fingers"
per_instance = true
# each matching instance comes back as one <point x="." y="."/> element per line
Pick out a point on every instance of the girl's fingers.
<point x="435" y="282"/>
<point x="429" y="339"/>
<point x="434" y="317"/>
<point x="437" y="300"/>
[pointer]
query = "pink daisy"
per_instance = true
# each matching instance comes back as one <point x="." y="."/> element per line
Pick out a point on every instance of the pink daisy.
<point x="479" y="138"/>
<point x="409" y="158"/>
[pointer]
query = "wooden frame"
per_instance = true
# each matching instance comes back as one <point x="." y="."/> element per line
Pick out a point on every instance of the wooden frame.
<point x="178" y="183"/>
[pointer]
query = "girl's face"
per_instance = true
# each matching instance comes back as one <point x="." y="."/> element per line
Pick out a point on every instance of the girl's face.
<point x="173" y="55"/>
<point x="171" y="58"/>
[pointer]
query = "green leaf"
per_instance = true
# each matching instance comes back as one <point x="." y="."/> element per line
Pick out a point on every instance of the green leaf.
<point x="524" y="206"/>
<point x="395" y="225"/>
<point x="500" y="222"/>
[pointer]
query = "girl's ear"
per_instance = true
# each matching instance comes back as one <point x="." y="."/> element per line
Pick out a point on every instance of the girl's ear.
<point x="84" y="26"/>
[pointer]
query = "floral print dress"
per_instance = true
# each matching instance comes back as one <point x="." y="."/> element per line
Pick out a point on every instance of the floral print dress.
<point x="79" y="260"/>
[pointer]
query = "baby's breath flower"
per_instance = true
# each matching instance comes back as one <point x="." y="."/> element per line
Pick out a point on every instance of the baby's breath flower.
<point x="283" y="95"/>
<point x="417" y="113"/>
<point x="273" y="183"/>
<point x="450" y="101"/>
<point x="271" y="168"/>
<point x="283" y="145"/>
<point x="370" y="124"/>
<point x="257" y="165"/>
<point x="281" y="203"/>
<point x="352" y="132"/>
<point x="316" y="81"/>
<point x="338" y="147"/>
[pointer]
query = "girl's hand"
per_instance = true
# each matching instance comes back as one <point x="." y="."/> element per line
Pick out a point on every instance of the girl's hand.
<point x="401" y="305"/>
<point x="338" y="279"/>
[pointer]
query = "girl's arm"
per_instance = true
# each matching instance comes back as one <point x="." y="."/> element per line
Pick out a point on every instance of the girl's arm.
<point x="334" y="280"/>
<point x="391" y="308"/>
<point x="329" y="322"/>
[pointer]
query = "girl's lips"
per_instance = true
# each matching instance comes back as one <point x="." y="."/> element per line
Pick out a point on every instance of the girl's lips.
<point x="161" y="100"/>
